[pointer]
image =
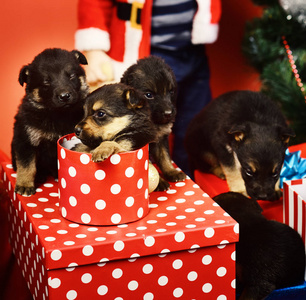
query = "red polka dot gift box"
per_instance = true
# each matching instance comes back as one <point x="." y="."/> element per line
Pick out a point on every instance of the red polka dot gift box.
<point x="114" y="191"/>
<point x="183" y="248"/>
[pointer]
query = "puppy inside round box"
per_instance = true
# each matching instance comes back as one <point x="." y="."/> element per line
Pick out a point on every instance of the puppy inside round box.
<point x="111" y="192"/>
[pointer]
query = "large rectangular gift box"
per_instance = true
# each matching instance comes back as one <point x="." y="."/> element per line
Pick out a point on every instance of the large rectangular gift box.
<point x="184" y="248"/>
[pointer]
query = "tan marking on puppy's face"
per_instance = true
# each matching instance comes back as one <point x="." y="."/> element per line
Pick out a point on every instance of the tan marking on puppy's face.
<point x="275" y="167"/>
<point x="36" y="100"/>
<point x="110" y="130"/>
<point x="239" y="136"/>
<point x="97" y="106"/>
<point x="107" y="129"/>
<point x="252" y="166"/>
<point x="35" y="95"/>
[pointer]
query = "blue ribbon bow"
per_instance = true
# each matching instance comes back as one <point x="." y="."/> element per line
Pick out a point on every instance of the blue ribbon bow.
<point x="294" y="167"/>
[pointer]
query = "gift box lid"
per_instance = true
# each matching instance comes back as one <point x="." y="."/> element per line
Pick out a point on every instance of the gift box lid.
<point x="182" y="218"/>
<point x="298" y="186"/>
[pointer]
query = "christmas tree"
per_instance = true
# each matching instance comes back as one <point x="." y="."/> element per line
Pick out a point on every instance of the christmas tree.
<point x="275" y="44"/>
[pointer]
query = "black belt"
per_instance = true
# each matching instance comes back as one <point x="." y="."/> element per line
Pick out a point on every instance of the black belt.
<point x="130" y="12"/>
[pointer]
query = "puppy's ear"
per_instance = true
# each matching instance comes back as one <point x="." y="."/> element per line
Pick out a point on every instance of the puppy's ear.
<point x="238" y="132"/>
<point x="23" y="75"/>
<point x="134" y="100"/>
<point x="80" y="57"/>
<point x="285" y="134"/>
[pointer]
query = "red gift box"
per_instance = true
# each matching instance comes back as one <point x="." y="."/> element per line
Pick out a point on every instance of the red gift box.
<point x="214" y="186"/>
<point x="295" y="205"/>
<point x="184" y="248"/>
<point x="114" y="191"/>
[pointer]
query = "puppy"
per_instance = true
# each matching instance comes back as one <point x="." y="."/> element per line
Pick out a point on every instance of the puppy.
<point x="156" y="80"/>
<point x="269" y="255"/>
<point x="241" y="137"/>
<point x="117" y="119"/>
<point x="53" y="104"/>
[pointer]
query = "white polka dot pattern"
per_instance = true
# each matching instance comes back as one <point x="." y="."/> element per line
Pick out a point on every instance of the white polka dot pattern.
<point x="177" y="250"/>
<point x="101" y="193"/>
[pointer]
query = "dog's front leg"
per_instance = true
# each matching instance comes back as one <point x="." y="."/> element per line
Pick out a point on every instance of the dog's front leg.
<point x="105" y="150"/>
<point x="234" y="179"/>
<point x="25" y="183"/>
<point x="161" y="156"/>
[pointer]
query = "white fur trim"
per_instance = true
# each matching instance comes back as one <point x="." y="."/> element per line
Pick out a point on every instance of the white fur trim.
<point x="92" y="39"/>
<point x="203" y="31"/>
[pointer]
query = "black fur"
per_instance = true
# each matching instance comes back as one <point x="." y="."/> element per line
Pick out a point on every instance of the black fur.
<point x="52" y="106"/>
<point x="246" y="125"/>
<point x="269" y="255"/>
<point x="156" y="80"/>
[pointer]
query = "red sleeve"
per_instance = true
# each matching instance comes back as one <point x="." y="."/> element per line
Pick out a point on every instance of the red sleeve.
<point x="216" y="10"/>
<point x="95" y="13"/>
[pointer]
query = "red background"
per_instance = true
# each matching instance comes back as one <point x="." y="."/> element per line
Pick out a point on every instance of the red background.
<point x="27" y="27"/>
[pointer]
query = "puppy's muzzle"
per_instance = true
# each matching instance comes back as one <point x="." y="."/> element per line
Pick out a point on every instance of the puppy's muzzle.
<point x="87" y="139"/>
<point x="78" y="130"/>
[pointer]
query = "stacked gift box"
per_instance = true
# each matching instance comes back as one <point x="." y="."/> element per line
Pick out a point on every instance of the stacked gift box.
<point x="184" y="248"/>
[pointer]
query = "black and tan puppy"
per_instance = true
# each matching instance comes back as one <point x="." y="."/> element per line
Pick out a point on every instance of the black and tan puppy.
<point x="53" y="104"/>
<point x="156" y="80"/>
<point x="269" y="255"/>
<point x="242" y="137"/>
<point x="117" y="119"/>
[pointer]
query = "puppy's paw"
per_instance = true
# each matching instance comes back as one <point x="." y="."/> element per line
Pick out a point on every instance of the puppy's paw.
<point x="277" y="195"/>
<point x="175" y="175"/>
<point x="25" y="190"/>
<point x="101" y="154"/>
<point x="163" y="185"/>
<point x="105" y="150"/>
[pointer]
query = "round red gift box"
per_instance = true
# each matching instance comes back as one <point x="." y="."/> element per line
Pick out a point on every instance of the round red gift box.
<point x="111" y="192"/>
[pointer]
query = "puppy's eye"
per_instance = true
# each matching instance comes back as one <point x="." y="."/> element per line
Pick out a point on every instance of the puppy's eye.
<point x="46" y="82"/>
<point x="249" y="172"/>
<point x="171" y="92"/>
<point x="100" y="114"/>
<point x="275" y="174"/>
<point x="149" y="95"/>
<point x="72" y="76"/>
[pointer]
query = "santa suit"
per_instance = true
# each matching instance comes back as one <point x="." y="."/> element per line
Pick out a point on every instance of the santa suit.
<point x="125" y="41"/>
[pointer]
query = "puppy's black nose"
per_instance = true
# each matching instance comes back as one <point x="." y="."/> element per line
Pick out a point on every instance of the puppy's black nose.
<point x="77" y="130"/>
<point x="64" y="97"/>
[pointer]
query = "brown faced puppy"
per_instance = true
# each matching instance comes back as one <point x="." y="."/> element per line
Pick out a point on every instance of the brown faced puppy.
<point x="117" y="119"/>
<point x="269" y="255"/>
<point x="156" y="80"/>
<point x="242" y="137"/>
<point x="52" y="106"/>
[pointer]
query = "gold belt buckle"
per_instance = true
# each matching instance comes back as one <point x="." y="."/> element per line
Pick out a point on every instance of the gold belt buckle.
<point x="135" y="6"/>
